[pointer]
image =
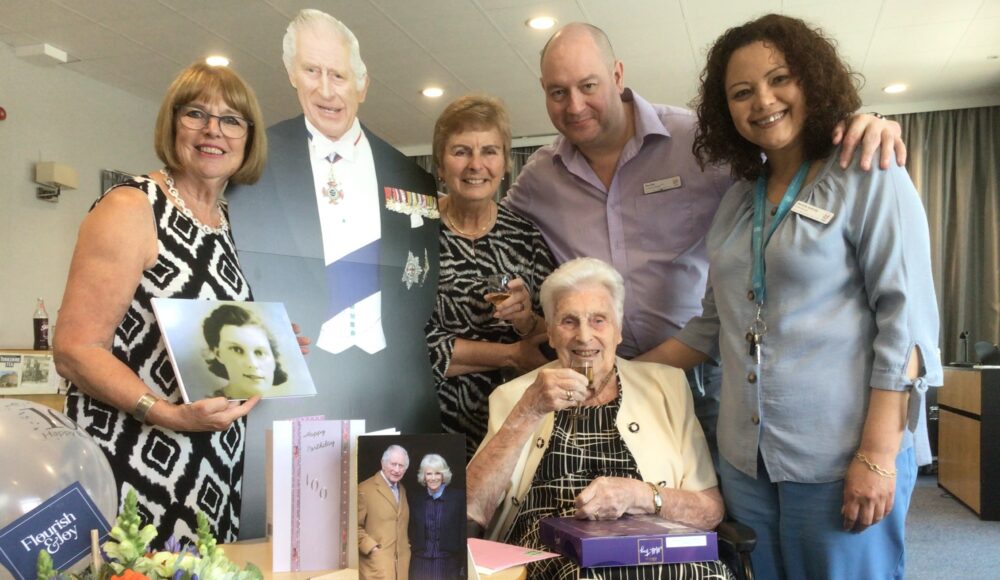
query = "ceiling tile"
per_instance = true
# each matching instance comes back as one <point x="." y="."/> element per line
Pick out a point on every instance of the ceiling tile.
<point x="36" y="15"/>
<point x="139" y="45"/>
<point x="906" y="13"/>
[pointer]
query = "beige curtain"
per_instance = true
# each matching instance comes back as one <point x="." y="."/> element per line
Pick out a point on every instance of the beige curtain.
<point x="954" y="161"/>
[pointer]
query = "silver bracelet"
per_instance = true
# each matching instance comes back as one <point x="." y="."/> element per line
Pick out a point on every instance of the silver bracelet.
<point x="142" y="407"/>
<point x="877" y="115"/>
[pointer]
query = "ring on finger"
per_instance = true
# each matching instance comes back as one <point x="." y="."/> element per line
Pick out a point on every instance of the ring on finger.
<point x="569" y="395"/>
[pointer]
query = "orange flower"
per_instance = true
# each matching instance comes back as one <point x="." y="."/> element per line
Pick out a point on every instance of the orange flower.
<point x="130" y="575"/>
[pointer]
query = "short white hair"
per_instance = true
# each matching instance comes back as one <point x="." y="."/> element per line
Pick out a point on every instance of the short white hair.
<point x="577" y="274"/>
<point x="393" y="449"/>
<point x="309" y="17"/>
<point x="437" y="463"/>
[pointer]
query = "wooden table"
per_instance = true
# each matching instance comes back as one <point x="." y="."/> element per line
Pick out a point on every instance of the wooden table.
<point x="258" y="552"/>
<point x="969" y="438"/>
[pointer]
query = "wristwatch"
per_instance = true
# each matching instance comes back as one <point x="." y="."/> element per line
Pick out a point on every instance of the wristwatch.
<point x="657" y="499"/>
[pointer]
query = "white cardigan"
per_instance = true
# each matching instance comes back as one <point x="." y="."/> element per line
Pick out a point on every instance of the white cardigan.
<point x="656" y="421"/>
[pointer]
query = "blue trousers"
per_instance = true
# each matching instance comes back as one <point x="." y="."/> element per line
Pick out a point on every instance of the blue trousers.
<point x="800" y="530"/>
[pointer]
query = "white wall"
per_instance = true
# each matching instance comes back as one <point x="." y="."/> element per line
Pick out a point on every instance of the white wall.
<point x="54" y="114"/>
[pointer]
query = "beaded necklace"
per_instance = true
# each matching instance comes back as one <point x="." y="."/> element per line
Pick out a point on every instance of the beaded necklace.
<point x="172" y="190"/>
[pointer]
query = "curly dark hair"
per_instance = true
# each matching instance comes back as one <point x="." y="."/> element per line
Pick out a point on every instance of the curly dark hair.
<point x="233" y="315"/>
<point x="829" y="87"/>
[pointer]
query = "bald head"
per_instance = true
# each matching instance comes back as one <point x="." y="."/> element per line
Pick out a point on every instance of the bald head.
<point x="583" y="84"/>
<point x="576" y="31"/>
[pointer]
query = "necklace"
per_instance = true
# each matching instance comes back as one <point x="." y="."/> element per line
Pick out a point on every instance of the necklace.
<point x="451" y="221"/>
<point x="223" y="222"/>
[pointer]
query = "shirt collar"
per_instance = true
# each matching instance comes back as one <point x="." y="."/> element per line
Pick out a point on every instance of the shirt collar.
<point x="345" y="147"/>
<point x="389" y="483"/>
<point x="437" y="495"/>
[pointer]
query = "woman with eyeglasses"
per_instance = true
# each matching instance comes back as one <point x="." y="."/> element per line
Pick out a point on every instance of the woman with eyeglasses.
<point x="164" y="235"/>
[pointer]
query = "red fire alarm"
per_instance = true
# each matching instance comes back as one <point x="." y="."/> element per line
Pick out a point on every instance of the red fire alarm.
<point x="3" y="114"/>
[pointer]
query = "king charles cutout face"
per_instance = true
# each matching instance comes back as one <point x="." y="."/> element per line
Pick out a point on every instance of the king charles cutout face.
<point x="328" y="88"/>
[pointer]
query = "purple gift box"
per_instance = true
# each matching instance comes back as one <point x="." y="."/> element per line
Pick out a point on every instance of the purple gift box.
<point x="628" y="541"/>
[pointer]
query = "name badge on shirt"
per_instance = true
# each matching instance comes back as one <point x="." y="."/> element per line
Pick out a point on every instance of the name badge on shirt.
<point x="661" y="185"/>
<point x="812" y="212"/>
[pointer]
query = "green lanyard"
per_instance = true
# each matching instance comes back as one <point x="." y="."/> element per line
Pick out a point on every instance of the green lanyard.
<point x="758" y="328"/>
<point x="757" y="239"/>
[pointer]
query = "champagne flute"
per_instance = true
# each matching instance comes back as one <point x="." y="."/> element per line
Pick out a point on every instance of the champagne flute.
<point x="585" y="367"/>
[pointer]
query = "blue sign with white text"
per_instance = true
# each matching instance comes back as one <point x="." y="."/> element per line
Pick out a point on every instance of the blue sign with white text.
<point x="61" y="525"/>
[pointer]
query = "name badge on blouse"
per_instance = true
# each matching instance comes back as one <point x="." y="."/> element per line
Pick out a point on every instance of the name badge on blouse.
<point x="812" y="212"/>
<point x="661" y="185"/>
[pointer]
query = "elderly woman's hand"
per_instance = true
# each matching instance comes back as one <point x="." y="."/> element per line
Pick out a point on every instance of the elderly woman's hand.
<point x="517" y="308"/>
<point x="607" y="498"/>
<point x="554" y="390"/>
<point x="214" y="414"/>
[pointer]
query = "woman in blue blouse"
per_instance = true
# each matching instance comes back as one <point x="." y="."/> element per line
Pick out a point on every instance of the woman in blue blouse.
<point x="821" y="304"/>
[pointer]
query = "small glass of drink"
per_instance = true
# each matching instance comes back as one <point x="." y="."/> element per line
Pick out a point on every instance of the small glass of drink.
<point x="585" y="367"/>
<point x="496" y="288"/>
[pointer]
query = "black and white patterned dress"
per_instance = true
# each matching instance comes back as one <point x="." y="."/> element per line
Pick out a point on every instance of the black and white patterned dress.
<point x="175" y="475"/>
<point x="570" y="463"/>
<point x="513" y="246"/>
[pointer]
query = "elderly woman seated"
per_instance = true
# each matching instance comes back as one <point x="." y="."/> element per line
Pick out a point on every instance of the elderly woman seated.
<point x="625" y="442"/>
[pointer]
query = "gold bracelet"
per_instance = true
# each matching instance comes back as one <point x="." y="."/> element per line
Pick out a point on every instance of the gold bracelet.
<point x="657" y="498"/>
<point x="142" y="407"/>
<point x="534" y="325"/>
<point x="874" y="466"/>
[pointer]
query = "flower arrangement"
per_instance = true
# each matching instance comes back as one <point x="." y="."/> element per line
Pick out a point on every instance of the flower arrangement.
<point x="127" y="556"/>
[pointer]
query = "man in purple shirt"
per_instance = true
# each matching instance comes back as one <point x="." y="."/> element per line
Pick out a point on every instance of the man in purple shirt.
<point x="621" y="184"/>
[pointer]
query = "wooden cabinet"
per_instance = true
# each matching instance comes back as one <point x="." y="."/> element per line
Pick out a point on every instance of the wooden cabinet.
<point x="969" y="438"/>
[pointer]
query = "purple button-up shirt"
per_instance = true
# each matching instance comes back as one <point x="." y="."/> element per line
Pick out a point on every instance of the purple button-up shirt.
<point x="650" y="224"/>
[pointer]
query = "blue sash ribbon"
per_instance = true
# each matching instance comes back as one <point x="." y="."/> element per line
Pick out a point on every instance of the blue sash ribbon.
<point x="353" y="278"/>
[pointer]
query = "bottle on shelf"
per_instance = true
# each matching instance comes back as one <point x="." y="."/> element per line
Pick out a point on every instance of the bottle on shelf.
<point x="41" y="323"/>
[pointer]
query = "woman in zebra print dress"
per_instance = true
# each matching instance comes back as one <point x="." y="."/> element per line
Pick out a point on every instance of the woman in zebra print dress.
<point x="469" y="340"/>
<point x="626" y="442"/>
<point x="164" y="235"/>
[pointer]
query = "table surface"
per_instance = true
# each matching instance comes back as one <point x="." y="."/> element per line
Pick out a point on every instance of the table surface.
<point x="258" y="552"/>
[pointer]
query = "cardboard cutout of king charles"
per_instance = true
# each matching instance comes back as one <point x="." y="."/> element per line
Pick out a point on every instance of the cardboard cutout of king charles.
<point x="343" y="229"/>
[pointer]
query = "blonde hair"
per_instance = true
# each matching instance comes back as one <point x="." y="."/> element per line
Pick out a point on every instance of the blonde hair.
<point x="209" y="82"/>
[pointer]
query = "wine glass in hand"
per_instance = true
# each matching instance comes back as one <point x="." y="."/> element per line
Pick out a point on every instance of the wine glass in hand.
<point x="585" y="367"/>
<point x="496" y="288"/>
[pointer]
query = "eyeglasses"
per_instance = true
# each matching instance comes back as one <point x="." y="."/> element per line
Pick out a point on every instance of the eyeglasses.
<point x="197" y="119"/>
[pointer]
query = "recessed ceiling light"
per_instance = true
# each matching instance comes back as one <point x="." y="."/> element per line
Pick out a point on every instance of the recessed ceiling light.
<point x="541" y="22"/>
<point x="217" y="60"/>
<point x="895" y="88"/>
<point x="432" y="92"/>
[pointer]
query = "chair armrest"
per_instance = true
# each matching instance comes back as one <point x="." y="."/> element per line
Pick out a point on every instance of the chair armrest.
<point x="740" y="536"/>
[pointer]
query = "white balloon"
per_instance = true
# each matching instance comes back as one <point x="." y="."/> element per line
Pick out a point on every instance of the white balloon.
<point x="43" y="452"/>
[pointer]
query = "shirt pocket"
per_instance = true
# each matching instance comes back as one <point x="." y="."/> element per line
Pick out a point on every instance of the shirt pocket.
<point x="672" y="221"/>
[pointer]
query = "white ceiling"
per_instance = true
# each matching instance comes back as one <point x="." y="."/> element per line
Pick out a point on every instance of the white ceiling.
<point x="945" y="50"/>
